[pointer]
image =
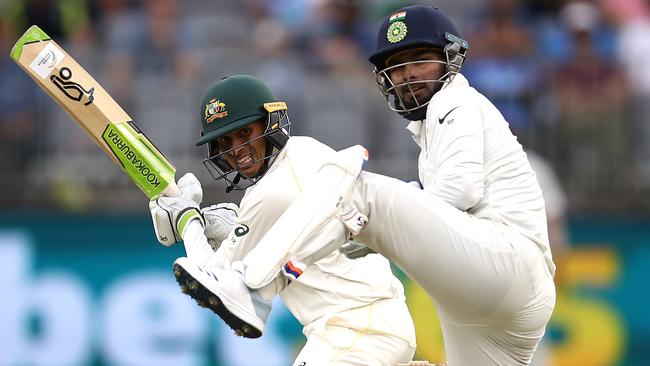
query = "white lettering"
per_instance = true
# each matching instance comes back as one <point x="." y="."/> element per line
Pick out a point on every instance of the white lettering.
<point x="50" y="318"/>
<point x="47" y="319"/>
<point x="147" y="321"/>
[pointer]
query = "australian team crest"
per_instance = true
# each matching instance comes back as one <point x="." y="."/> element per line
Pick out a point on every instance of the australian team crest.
<point x="215" y="109"/>
<point x="397" y="29"/>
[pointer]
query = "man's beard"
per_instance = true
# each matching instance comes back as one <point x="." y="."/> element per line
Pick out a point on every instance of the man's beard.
<point x="413" y="101"/>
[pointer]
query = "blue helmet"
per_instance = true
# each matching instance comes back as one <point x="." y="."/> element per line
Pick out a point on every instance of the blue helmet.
<point x="411" y="27"/>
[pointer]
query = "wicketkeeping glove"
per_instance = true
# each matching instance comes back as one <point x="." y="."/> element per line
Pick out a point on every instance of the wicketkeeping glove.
<point x="170" y="215"/>
<point x="219" y="221"/>
<point x="416" y="184"/>
<point x="354" y="249"/>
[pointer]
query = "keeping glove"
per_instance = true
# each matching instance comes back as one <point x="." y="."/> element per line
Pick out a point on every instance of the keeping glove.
<point x="170" y="215"/>
<point x="416" y="184"/>
<point x="354" y="249"/>
<point x="219" y="221"/>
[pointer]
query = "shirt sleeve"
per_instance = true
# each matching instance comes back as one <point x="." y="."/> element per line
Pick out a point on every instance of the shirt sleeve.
<point x="454" y="161"/>
<point x="253" y="221"/>
<point x="196" y="243"/>
<point x="260" y="207"/>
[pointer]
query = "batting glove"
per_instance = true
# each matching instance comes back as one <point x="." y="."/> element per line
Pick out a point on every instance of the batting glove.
<point x="170" y="215"/>
<point x="219" y="221"/>
<point x="191" y="188"/>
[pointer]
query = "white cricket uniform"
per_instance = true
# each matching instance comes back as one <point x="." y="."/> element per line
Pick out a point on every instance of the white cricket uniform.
<point x="353" y="311"/>
<point x="475" y="238"/>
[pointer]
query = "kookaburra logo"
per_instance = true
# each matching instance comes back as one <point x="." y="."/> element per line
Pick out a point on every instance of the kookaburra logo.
<point x="71" y="89"/>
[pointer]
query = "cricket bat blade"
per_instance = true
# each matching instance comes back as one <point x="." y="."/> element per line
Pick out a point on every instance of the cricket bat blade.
<point x="77" y="92"/>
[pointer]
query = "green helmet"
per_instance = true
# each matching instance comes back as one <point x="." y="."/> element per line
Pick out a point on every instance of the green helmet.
<point x="234" y="102"/>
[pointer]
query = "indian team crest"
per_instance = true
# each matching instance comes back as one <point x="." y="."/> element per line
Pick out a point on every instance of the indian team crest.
<point x="215" y="109"/>
<point x="396" y="32"/>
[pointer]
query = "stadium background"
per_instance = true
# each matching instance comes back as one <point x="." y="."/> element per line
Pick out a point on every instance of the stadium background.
<point x="84" y="282"/>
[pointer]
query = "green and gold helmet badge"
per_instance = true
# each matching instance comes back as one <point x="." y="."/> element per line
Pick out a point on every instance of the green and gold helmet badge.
<point x="215" y="109"/>
<point x="397" y="29"/>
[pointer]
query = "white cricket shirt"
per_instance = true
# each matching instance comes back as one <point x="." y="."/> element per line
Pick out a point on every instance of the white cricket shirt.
<point x="334" y="283"/>
<point x="470" y="159"/>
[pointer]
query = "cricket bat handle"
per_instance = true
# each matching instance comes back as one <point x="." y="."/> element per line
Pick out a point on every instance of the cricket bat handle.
<point x="172" y="190"/>
<point x="140" y="159"/>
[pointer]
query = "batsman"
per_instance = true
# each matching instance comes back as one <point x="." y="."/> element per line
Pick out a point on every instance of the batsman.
<point x="353" y="311"/>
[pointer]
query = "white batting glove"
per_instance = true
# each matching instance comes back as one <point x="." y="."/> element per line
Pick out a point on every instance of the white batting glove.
<point x="191" y="188"/>
<point x="170" y="215"/>
<point x="354" y="249"/>
<point x="219" y="221"/>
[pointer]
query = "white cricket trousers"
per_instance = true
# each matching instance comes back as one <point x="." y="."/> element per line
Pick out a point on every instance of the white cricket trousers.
<point x="378" y="334"/>
<point x="491" y="286"/>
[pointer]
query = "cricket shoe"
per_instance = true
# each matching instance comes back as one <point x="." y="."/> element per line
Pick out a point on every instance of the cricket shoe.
<point x="225" y="293"/>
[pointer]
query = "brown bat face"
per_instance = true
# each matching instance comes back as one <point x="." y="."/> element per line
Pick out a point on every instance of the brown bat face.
<point x="88" y="104"/>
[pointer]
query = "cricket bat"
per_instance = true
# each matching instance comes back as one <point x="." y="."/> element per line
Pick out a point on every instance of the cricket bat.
<point x="94" y="109"/>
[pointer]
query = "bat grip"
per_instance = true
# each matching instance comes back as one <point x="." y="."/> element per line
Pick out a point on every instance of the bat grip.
<point x="172" y="190"/>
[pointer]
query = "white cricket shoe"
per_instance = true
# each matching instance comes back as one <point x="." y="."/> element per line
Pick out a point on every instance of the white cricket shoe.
<point x="225" y="293"/>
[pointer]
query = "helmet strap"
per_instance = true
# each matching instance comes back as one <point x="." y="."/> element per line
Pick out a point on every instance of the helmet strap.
<point x="231" y="185"/>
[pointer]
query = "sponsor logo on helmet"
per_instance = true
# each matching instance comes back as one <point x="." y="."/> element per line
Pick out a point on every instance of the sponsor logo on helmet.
<point x="396" y="32"/>
<point x="275" y="106"/>
<point x="215" y="109"/>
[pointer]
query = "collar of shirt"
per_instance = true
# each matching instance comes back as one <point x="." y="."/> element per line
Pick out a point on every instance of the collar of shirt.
<point x="275" y="162"/>
<point x="415" y="127"/>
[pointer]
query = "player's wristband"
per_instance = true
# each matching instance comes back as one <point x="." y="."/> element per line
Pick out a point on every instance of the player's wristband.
<point x="184" y="218"/>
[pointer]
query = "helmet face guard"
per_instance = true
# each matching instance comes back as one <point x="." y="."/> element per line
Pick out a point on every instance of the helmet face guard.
<point x="454" y="55"/>
<point x="415" y="27"/>
<point x="277" y="133"/>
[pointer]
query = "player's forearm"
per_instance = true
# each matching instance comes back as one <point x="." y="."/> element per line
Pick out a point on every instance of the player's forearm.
<point x="462" y="191"/>
<point x="459" y="183"/>
<point x="196" y="243"/>
<point x="455" y="165"/>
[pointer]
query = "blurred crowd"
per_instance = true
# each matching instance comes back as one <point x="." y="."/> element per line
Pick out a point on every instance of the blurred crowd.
<point x="569" y="75"/>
